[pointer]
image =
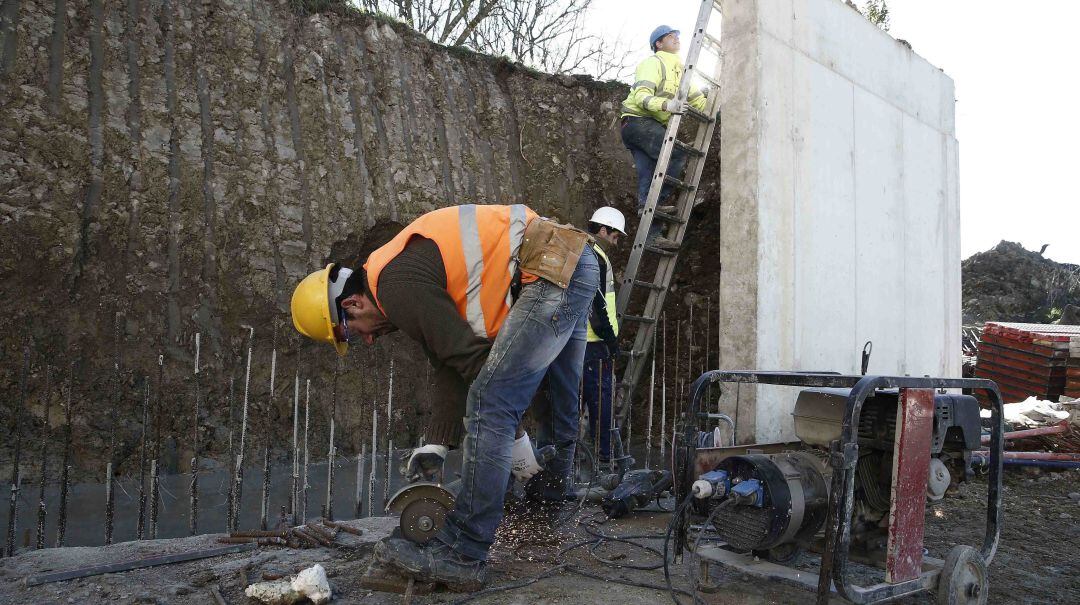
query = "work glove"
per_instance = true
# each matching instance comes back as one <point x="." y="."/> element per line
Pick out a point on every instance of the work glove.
<point x="523" y="464"/>
<point x="613" y="348"/>
<point x="674" y="106"/>
<point x="425" y="463"/>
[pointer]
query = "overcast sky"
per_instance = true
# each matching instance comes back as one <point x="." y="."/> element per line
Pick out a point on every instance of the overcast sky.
<point x="1017" y="110"/>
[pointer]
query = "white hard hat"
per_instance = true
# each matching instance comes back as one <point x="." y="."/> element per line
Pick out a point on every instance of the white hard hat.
<point x="610" y="217"/>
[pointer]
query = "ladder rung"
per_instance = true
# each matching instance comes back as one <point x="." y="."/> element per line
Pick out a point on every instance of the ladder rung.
<point x="639" y="319"/>
<point x="661" y="251"/>
<point x="710" y="80"/>
<point x="697" y="115"/>
<point x="630" y="354"/>
<point x="671" y="218"/>
<point x="711" y="42"/>
<point x="674" y="182"/>
<point x="689" y="149"/>
<point x="648" y="284"/>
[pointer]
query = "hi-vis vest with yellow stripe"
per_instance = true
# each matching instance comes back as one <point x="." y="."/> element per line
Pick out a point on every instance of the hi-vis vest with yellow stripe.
<point x="479" y="247"/>
<point x="609" y="297"/>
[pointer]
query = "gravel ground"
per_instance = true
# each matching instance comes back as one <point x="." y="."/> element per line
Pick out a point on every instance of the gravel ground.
<point x="1035" y="563"/>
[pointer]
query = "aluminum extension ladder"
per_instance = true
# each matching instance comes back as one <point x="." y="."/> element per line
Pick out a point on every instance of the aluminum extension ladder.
<point x="674" y="217"/>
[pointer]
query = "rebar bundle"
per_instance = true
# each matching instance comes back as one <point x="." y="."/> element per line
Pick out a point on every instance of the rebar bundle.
<point x="193" y="489"/>
<point x="264" y="508"/>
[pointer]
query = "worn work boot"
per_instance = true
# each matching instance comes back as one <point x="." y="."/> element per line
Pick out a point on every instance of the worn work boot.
<point x="434" y="562"/>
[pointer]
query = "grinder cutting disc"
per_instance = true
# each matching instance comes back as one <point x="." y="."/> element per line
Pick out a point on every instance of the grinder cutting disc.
<point x="422" y="508"/>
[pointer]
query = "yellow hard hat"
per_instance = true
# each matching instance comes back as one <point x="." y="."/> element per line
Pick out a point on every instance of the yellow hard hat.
<point x="313" y="306"/>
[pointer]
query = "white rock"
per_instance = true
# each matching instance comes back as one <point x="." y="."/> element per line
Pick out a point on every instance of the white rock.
<point x="313" y="584"/>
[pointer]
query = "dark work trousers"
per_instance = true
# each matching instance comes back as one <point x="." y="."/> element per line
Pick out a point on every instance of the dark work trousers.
<point x="597" y="391"/>
<point x="644" y="137"/>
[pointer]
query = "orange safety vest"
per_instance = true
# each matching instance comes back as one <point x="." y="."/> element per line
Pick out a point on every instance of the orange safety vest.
<point x="479" y="247"/>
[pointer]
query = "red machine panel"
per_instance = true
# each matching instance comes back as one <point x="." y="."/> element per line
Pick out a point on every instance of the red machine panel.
<point x="911" y="465"/>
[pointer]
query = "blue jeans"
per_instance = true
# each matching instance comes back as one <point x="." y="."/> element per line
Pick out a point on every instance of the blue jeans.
<point x="544" y="335"/>
<point x="596" y="392"/>
<point x="644" y="137"/>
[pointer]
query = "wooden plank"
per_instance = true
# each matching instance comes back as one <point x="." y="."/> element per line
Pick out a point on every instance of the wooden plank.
<point x="911" y="467"/>
<point x="97" y="570"/>
<point x="1020" y="368"/>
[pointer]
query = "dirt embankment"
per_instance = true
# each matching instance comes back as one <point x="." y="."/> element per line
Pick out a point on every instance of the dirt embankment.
<point x="1010" y="283"/>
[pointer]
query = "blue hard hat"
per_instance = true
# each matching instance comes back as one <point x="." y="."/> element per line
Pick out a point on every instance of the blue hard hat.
<point x="660" y="32"/>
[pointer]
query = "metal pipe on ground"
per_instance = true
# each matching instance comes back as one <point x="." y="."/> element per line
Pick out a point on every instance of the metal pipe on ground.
<point x="1053" y="429"/>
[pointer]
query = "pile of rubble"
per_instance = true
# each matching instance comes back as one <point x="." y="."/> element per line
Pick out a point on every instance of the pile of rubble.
<point x="1010" y="283"/>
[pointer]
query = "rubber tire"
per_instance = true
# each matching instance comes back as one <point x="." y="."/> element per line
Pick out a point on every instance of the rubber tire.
<point x="964" y="570"/>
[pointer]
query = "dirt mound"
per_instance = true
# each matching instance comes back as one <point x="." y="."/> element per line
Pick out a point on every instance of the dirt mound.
<point x="1010" y="283"/>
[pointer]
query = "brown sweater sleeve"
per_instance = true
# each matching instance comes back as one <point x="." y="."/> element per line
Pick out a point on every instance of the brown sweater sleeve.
<point x="412" y="291"/>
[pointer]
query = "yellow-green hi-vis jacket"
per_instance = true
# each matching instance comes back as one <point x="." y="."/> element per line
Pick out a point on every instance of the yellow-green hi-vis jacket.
<point x="609" y="299"/>
<point x="655" y="81"/>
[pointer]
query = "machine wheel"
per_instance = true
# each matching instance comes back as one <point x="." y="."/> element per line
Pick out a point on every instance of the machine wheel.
<point x="963" y="579"/>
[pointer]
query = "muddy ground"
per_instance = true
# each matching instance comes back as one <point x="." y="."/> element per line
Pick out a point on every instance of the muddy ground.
<point x="1036" y="561"/>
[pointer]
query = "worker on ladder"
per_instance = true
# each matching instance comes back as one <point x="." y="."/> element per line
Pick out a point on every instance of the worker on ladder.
<point x="645" y="114"/>
<point x="498" y="298"/>
<point x="607" y="225"/>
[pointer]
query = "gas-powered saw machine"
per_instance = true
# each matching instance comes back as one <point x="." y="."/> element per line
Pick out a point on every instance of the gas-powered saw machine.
<point x="872" y="451"/>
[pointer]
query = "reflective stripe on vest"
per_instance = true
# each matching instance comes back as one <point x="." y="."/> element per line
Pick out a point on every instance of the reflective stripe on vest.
<point x="609" y="299"/>
<point x="519" y="219"/>
<point x="479" y="245"/>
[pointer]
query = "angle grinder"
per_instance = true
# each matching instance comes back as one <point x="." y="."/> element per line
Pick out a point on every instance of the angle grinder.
<point x="423" y="506"/>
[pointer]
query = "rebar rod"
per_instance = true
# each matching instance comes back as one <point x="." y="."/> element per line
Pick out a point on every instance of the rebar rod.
<point x="328" y="510"/>
<point x="307" y="423"/>
<point x="42" y="511"/>
<point x="629" y="412"/>
<point x="155" y="498"/>
<point x="389" y="433"/>
<point x="708" y="347"/>
<point x="109" y="495"/>
<point x="360" y="479"/>
<point x="652" y="394"/>
<point x="65" y="465"/>
<point x="295" y="452"/>
<point x="231" y="459"/>
<point x="600" y="375"/>
<point x="141" y="527"/>
<point x="663" y="393"/>
<point x="193" y="489"/>
<point x="108" y="503"/>
<point x="264" y="507"/>
<point x="374" y="456"/>
<point x="16" y="476"/>
<point x="238" y="475"/>
<point x="690" y="341"/>
<point x="155" y="485"/>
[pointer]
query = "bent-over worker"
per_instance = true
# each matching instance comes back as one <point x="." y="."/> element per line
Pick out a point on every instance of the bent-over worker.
<point x="448" y="280"/>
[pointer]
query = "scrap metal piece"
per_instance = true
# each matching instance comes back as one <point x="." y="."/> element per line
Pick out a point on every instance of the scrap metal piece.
<point x="423" y="508"/>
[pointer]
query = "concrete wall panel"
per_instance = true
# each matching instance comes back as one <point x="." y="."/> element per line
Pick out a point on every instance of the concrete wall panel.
<point x="879" y="232"/>
<point x="856" y="201"/>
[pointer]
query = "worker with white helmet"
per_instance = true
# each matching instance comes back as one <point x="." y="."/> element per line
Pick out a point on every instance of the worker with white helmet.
<point x="607" y="225"/>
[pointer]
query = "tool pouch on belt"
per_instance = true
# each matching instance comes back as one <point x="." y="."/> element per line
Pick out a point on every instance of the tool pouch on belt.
<point x="551" y="251"/>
